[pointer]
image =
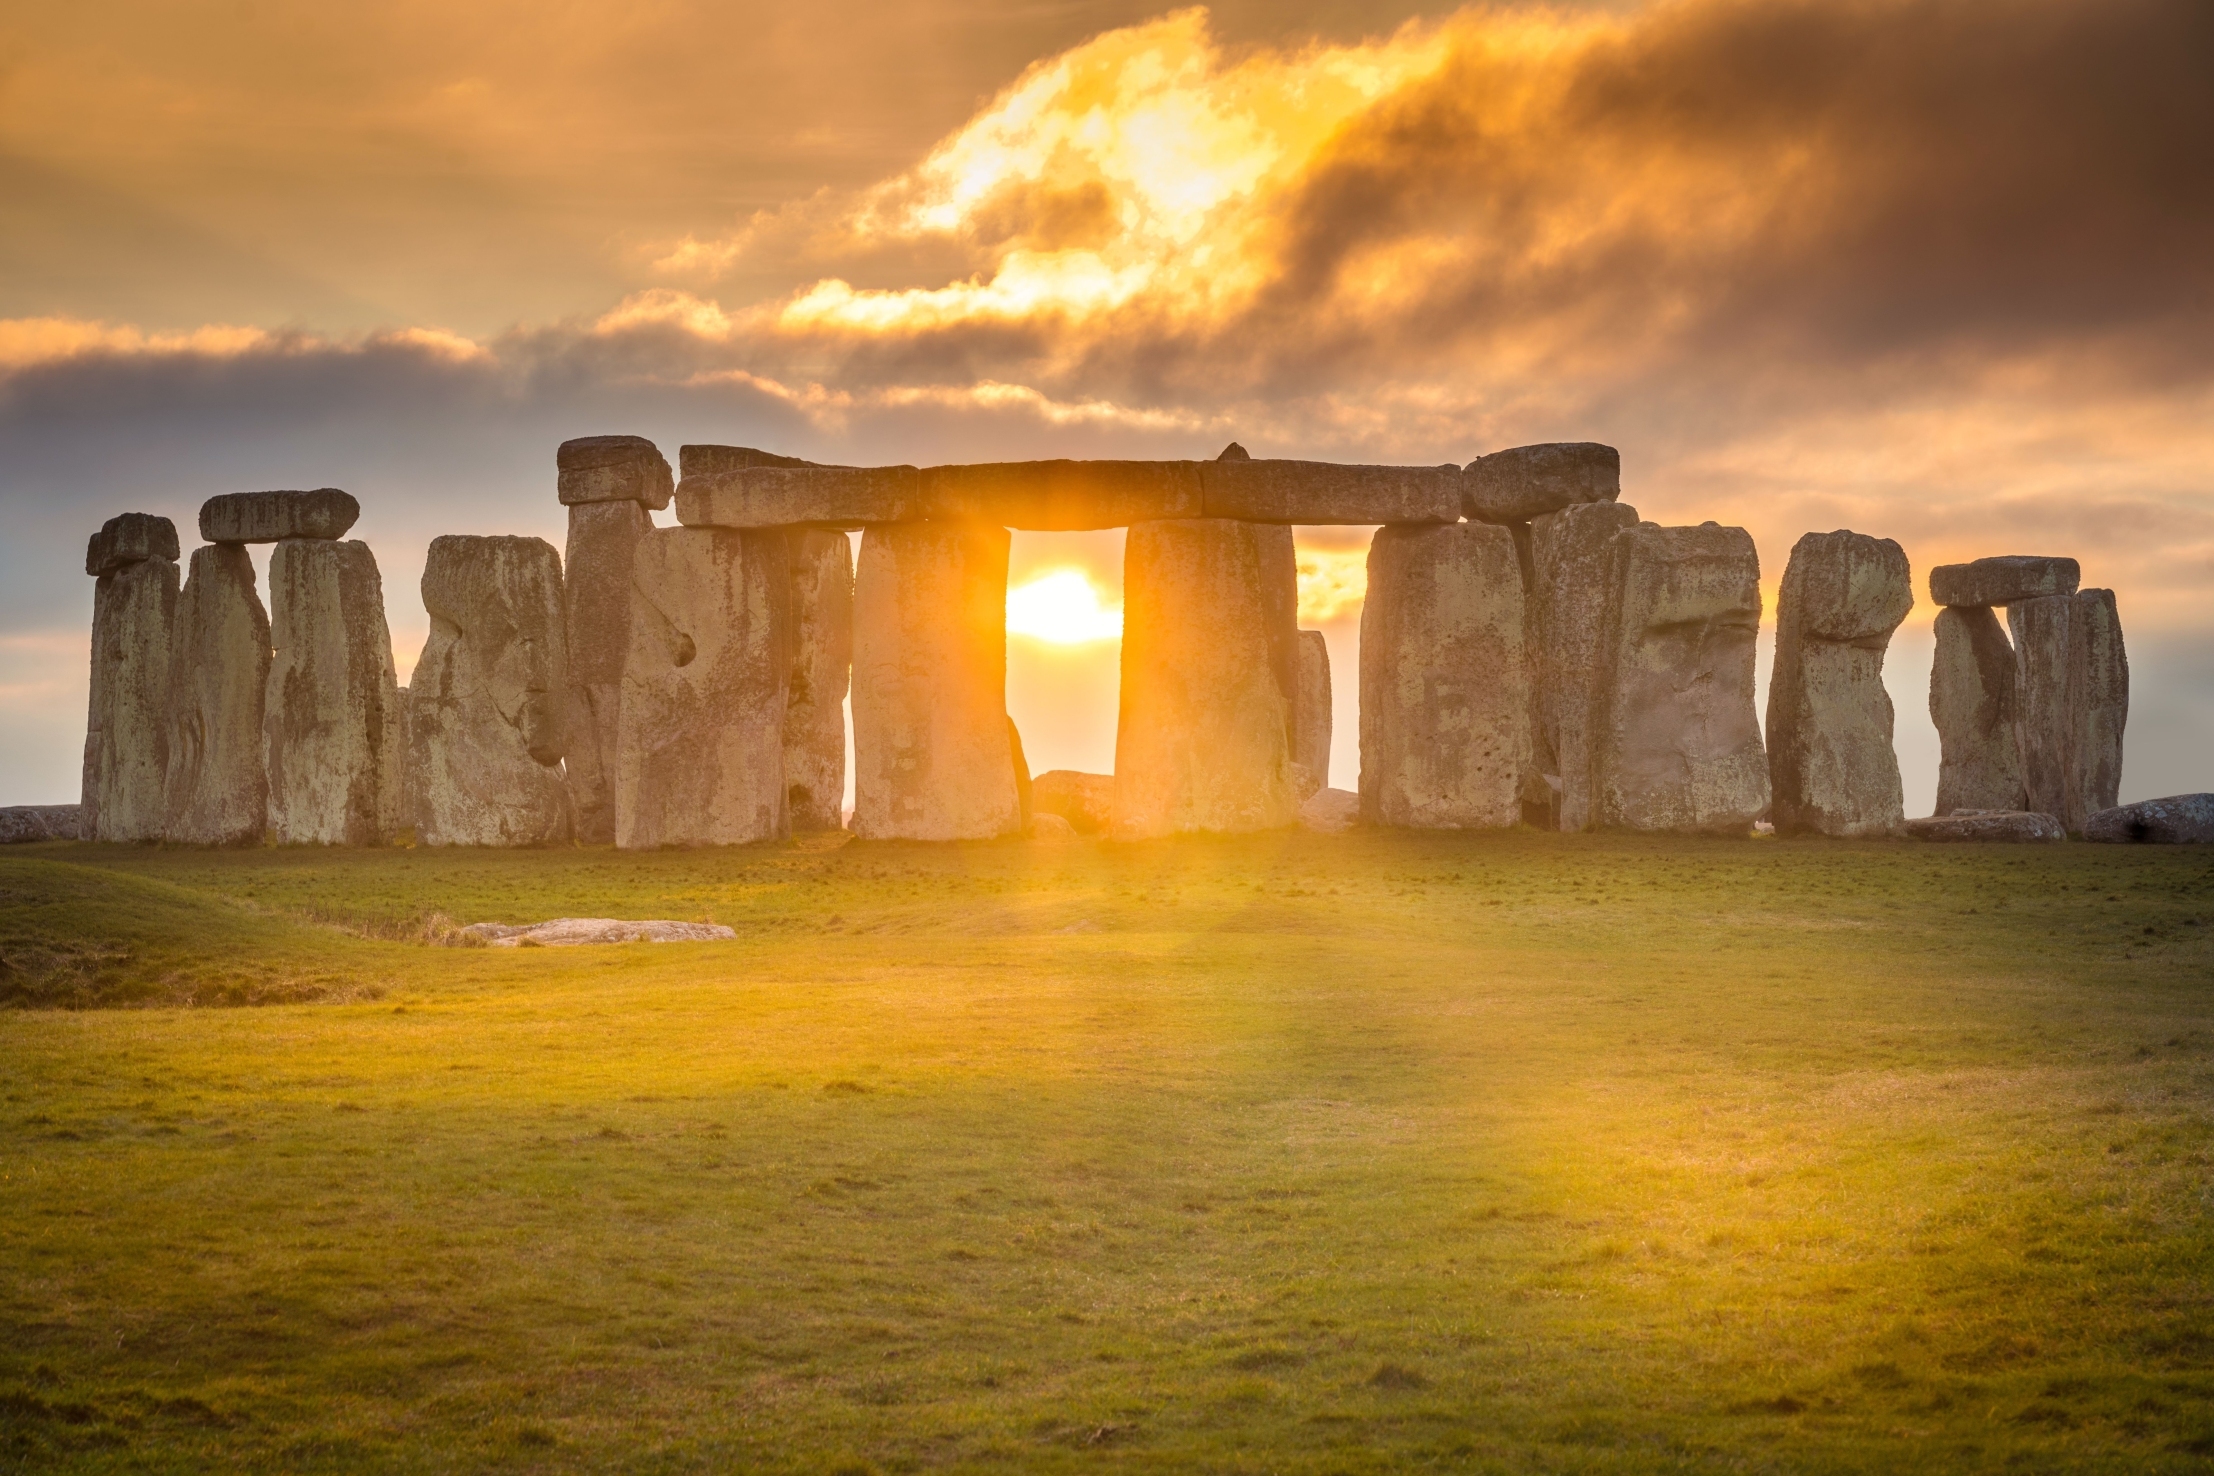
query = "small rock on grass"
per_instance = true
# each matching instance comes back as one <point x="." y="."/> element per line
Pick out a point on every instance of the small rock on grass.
<point x="564" y="932"/>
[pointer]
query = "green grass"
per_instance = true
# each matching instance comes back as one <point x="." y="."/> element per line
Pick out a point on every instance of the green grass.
<point x="1489" y="1153"/>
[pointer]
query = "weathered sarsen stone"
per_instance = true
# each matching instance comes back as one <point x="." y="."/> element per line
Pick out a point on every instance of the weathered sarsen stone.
<point x="822" y="661"/>
<point x="1328" y="492"/>
<point x="1973" y="702"/>
<point x="2099" y="691"/>
<point x="1568" y="606"/>
<point x="700" y="746"/>
<point x="1831" y="766"/>
<point x="1311" y="715"/>
<point x="216" y="791"/>
<point x="2003" y="580"/>
<point x="1086" y="801"/>
<point x="1526" y="482"/>
<point x="2005" y="826"/>
<point x="2178" y="820"/>
<point x="2074" y="679"/>
<point x="485" y="703"/>
<point x="1445" y="704"/>
<point x="603" y="545"/>
<point x="1209" y="657"/>
<point x="1675" y="744"/>
<point x="24" y="824"/>
<point x="613" y="469"/>
<point x="331" y="739"/>
<point x="134" y="610"/>
<point x="1062" y="496"/>
<point x="272" y="517"/>
<point x="931" y="750"/>
<point x="781" y="496"/>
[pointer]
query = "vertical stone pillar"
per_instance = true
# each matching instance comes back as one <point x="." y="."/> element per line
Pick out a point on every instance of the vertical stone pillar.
<point x="331" y="739"/>
<point x="1832" y="768"/>
<point x="1209" y="657"/>
<point x="931" y="749"/>
<point x="1311" y="716"/>
<point x="607" y="483"/>
<point x="1675" y="743"/>
<point x="1445" y="698"/>
<point x="822" y="663"/>
<point x="1569" y="566"/>
<point x="1973" y="703"/>
<point x="2074" y="683"/>
<point x="217" y="793"/>
<point x="484" y="709"/>
<point x="134" y="609"/>
<point x="2099" y="689"/>
<point x="699" y="756"/>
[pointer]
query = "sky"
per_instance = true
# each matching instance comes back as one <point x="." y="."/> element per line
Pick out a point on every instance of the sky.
<point x="1935" y="270"/>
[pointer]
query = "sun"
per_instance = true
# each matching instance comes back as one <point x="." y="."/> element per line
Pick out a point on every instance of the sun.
<point x="1061" y="606"/>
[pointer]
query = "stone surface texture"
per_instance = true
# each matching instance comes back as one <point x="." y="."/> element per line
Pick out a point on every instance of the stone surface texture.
<point x="2178" y="820"/>
<point x="1325" y="492"/>
<point x="1568" y="606"/>
<point x="1209" y="653"/>
<point x="569" y="932"/>
<point x="1526" y="482"/>
<point x="613" y="469"/>
<point x="1021" y="765"/>
<point x="932" y="756"/>
<point x="1675" y="743"/>
<point x="699" y="755"/>
<point x="1063" y="496"/>
<point x="1049" y="827"/>
<point x="2074" y="702"/>
<point x="1445" y="702"/>
<point x="1331" y="811"/>
<point x="2006" y="826"/>
<point x="2003" y="580"/>
<point x="1311" y="715"/>
<point x="1832" y="768"/>
<point x="331" y="740"/>
<point x="1086" y="801"/>
<point x="22" y="824"/>
<point x="130" y="538"/>
<point x="216" y="792"/>
<point x="134" y="611"/>
<point x="782" y="496"/>
<point x="696" y="461"/>
<point x="2098" y="690"/>
<point x="822" y="662"/>
<point x="272" y="517"/>
<point x="603" y="544"/>
<point x="1973" y="702"/>
<point x="485" y="705"/>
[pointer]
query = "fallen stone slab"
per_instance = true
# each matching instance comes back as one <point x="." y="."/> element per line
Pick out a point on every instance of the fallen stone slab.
<point x="1063" y="496"/>
<point x="1331" y="811"/>
<point x="2003" y="580"/>
<point x="332" y="744"/>
<point x="216" y="790"/>
<point x="271" y="517"/>
<point x="842" y="497"/>
<point x="821" y="567"/>
<point x="603" y="543"/>
<point x="131" y="538"/>
<point x="1974" y="701"/>
<point x="1988" y="825"/>
<point x="2178" y="820"/>
<point x="569" y="932"/>
<point x="126" y="762"/>
<point x="1526" y="482"/>
<point x="1086" y="801"/>
<point x="613" y="469"/>
<point x="22" y="824"/>
<point x="1568" y="607"/>
<point x="1326" y="492"/>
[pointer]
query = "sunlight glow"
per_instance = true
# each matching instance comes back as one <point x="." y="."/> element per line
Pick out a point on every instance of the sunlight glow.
<point x="1061" y="607"/>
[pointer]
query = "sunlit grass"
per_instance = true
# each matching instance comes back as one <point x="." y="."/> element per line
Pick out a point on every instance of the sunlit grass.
<point x="1376" y="1152"/>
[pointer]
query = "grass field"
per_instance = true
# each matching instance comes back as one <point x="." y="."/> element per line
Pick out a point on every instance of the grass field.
<point x="1378" y="1152"/>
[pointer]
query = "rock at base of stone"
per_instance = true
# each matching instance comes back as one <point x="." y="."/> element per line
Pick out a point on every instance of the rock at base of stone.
<point x="1045" y="827"/>
<point x="699" y="755"/>
<point x="613" y="469"/>
<point x="272" y="517"/>
<point x="570" y="932"/>
<point x="1568" y="606"/>
<point x="1675" y="744"/>
<point x="1988" y="825"/>
<point x="2178" y="820"/>
<point x="1831" y="765"/>
<point x="822" y="664"/>
<point x="1086" y="801"/>
<point x="24" y="824"/>
<point x="1209" y="660"/>
<point x="1331" y="811"/>
<point x="2003" y="580"/>
<point x="216" y="791"/>
<point x="485" y="704"/>
<point x="134" y="612"/>
<point x="1973" y="703"/>
<point x="1311" y="716"/>
<point x="130" y="538"/>
<point x="931" y="752"/>
<point x="1445" y="699"/>
<point x="1526" y="482"/>
<point x="603" y="543"/>
<point x="332" y="745"/>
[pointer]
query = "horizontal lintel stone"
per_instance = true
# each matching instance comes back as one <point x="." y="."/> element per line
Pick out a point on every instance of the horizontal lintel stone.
<point x="130" y="538"/>
<point x="1064" y="496"/>
<point x="272" y="517"/>
<point x="2004" y="580"/>
<point x="781" y="496"/>
<point x="1525" y="482"/>
<point x="698" y="461"/>
<point x="1322" y="492"/>
<point x="613" y="469"/>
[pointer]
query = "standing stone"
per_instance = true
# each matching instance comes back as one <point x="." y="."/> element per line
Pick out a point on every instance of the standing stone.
<point x="217" y="793"/>
<point x="1311" y="716"/>
<point x="931" y="750"/>
<point x="1568" y="608"/>
<point x="2074" y="681"/>
<point x="2099" y="692"/>
<point x="1973" y="702"/>
<point x="1209" y="658"/>
<point x="1445" y="701"/>
<point x="331" y="738"/>
<point x="700" y="744"/>
<point x="822" y="662"/>
<point x="1831" y="766"/>
<point x="485" y="704"/>
<point x="603" y="545"/>
<point x="1674" y="740"/>
<point x="134" y="609"/>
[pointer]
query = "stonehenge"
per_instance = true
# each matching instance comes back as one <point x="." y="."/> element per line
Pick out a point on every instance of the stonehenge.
<point x="2178" y="820"/>
<point x="1531" y="653"/>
